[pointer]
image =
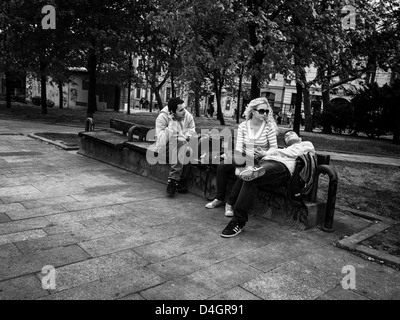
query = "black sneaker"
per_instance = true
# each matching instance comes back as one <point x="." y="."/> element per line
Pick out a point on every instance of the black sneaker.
<point x="232" y="229"/>
<point x="182" y="187"/>
<point x="171" y="187"/>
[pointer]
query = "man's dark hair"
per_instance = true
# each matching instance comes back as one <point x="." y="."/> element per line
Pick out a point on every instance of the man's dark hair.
<point x="290" y="130"/>
<point x="173" y="104"/>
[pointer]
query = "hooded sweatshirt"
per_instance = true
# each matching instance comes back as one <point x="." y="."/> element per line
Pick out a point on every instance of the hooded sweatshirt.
<point x="167" y="126"/>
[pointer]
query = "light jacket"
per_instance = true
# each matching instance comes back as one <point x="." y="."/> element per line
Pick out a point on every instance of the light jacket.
<point x="168" y="127"/>
<point x="288" y="155"/>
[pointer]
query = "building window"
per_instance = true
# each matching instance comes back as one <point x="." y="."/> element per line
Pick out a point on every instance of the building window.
<point x="138" y="93"/>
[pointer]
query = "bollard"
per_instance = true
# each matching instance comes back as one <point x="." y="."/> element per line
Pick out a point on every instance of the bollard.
<point x="130" y="133"/>
<point x="331" y="201"/>
<point x="89" y="124"/>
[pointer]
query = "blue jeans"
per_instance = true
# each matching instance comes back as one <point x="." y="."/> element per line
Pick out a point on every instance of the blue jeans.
<point x="178" y="172"/>
<point x="224" y="173"/>
<point x="276" y="175"/>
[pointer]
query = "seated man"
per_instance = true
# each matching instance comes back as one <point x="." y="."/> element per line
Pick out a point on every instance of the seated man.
<point x="275" y="169"/>
<point x="174" y="129"/>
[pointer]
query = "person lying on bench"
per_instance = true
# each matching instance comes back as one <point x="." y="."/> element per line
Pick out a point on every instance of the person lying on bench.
<point x="275" y="169"/>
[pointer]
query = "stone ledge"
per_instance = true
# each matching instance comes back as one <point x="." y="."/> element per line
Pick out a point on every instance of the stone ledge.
<point x="56" y="143"/>
<point x="131" y="156"/>
<point x="354" y="242"/>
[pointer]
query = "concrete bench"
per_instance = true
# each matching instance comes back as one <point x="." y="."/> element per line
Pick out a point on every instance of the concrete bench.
<point x="130" y="129"/>
<point x="270" y="203"/>
<point x="107" y="145"/>
<point x="276" y="204"/>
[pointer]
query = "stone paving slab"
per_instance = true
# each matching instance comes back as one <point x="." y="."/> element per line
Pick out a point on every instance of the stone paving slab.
<point x="27" y="287"/>
<point x="22" y="236"/>
<point x="63" y="239"/>
<point x="338" y="293"/>
<point x="23" y="225"/>
<point x="115" y="287"/>
<point x="4" y="217"/>
<point x="62" y="200"/>
<point x="77" y="274"/>
<point x="9" y="250"/>
<point x="36" y="212"/>
<point x="291" y="281"/>
<point x="34" y="262"/>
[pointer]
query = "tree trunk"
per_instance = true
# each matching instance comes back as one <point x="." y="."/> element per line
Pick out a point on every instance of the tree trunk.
<point x="151" y="100"/>
<point x="258" y="56"/>
<point x="117" y="98"/>
<point x="60" y="94"/>
<point x="308" y="126"/>
<point x="396" y="128"/>
<point x="173" y="93"/>
<point x="326" y="125"/>
<point x="128" y="110"/>
<point x="43" y="80"/>
<point x="92" y="107"/>
<point x="197" y="102"/>
<point x="8" y="90"/>
<point x="158" y="98"/>
<point x="239" y="94"/>
<point x="218" y="93"/>
<point x="297" y="110"/>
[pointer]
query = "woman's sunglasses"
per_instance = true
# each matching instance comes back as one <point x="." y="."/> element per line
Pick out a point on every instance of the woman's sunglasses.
<point x="262" y="111"/>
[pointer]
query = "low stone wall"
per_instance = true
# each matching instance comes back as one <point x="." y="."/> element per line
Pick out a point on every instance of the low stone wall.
<point x="131" y="156"/>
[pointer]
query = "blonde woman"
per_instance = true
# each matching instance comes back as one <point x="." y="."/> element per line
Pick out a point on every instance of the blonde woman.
<point x="255" y="137"/>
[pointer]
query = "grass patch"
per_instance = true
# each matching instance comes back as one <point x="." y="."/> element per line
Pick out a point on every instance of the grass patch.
<point x="366" y="187"/>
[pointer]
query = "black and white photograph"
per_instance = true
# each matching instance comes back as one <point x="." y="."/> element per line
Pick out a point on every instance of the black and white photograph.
<point x="202" y="158"/>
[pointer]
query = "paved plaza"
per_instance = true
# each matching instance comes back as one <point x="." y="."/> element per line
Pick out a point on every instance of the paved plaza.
<point x="111" y="234"/>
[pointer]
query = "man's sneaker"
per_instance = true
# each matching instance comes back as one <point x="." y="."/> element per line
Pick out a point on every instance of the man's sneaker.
<point x="171" y="187"/>
<point x="232" y="229"/>
<point x="214" y="204"/>
<point x="228" y="210"/>
<point x="182" y="187"/>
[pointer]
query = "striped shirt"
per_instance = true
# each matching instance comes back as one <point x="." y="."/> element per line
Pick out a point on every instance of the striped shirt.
<point x="247" y="141"/>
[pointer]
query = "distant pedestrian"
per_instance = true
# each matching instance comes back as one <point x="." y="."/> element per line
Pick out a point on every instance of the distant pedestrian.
<point x="211" y="111"/>
<point x="279" y="119"/>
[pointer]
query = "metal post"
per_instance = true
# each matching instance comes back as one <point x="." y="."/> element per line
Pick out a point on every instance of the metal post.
<point x="331" y="201"/>
<point x="89" y="124"/>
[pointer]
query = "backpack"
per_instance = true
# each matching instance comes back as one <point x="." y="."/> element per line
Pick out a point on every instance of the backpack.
<point x="303" y="177"/>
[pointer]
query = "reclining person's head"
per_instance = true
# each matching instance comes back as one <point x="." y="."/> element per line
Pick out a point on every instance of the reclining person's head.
<point x="291" y="137"/>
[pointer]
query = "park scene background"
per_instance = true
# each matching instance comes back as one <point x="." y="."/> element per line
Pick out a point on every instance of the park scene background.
<point x="160" y="49"/>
